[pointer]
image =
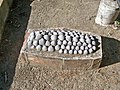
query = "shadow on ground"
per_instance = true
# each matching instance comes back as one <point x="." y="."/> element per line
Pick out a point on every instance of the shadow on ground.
<point x="12" y="39"/>
<point x="111" y="51"/>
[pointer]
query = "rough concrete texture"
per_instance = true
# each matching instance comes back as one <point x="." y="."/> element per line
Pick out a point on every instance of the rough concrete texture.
<point x="78" y="14"/>
<point x="42" y="78"/>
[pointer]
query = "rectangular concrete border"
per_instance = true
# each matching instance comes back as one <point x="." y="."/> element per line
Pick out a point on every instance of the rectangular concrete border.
<point x="57" y="62"/>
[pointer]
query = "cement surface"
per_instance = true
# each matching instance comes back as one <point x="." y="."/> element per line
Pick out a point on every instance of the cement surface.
<point x="41" y="78"/>
<point x="77" y="14"/>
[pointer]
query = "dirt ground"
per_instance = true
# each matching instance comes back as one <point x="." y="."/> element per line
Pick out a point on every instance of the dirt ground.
<point x="80" y="15"/>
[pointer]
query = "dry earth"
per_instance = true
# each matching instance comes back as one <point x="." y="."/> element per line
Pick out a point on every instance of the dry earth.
<point x="77" y="14"/>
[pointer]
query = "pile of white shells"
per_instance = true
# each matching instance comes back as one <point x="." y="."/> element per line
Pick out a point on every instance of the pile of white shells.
<point x="67" y="42"/>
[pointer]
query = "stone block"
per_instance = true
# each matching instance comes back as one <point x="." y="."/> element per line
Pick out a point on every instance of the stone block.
<point x="59" y="61"/>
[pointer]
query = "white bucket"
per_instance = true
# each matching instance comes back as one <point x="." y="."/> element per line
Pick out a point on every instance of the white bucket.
<point x="107" y="12"/>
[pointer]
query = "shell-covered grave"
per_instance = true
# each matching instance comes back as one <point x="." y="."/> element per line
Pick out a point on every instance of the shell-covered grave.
<point x="63" y="41"/>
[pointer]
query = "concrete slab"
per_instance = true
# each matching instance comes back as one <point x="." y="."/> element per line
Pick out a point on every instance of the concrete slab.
<point x="63" y="61"/>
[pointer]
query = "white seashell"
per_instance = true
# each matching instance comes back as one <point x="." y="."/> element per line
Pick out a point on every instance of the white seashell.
<point x="85" y="52"/>
<point x="37" y="32"/>
<point x="59" y="42"/>
<point x="82" y="39"/>
<point x="55" y="33"/>
<point x="69" y="43"/>
<point x="77" y="47"/>
<point x="44" y="48"/>
<point x="50" y="33"/>
<point x="38" y="47"/>
<point x="61" y="37"/>
<point x="74" y="32"/>
<point x="70" y="51"/>
<point x="71" y="34"/>
<point x="93" y="43"/>
<point x="43" y="33"/>
<point x="68" y="38"/>
<point x="89" y="45"/>
<point x="47" y="43"/>
<point x="62" y="46"/>
<point x="84" y="44"/>
<point x="38" y="36"/>
<point x="65" y="51"/>
<point x="46" y="37"/>
<point x="60" y="33"/>
<point x="68" y="47"/>
<point x="92" y="38"/>
<point x="41" y="41"/>
<point x="32" y="47"/>
<point x="57" y="47"/>
<point x="72" y="47"/>
<point x="64" y="42"/>
<point x="82" y="36"/>
<point x="82" y="48"/>
<point x="75" y="52"/>
<point x="54" y="37"/>
<point x="87" y="37"/>
<point x="90" y="50"/>
<point x="31" y="37"/>
<point x="75" y="39"/>
<point x="53" y="43"/>
<point x="58" y="30"/>
<point x="66" y="34"/>
<point x="88" y="40"/>
<point x="63" y="31"/>
<point x="79" y="33"/>
<point x="80" y="52"/>
<point x="32" y="34"/>
<point x="76" y="35"/>
<point x="29" y="44"/>
<point x="52" y="30"/>
<point x="86" y="48"/>
<point x="94" y="48"/>
<point x="50" y="49"/>
<point x="74" y="43"/>
<point x="60" y="51"/>
<point x="35" y="42"/>
<point x="79" y="43"/>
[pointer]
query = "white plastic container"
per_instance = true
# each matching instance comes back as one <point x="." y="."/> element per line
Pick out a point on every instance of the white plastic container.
<point x="107" y="12"/>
